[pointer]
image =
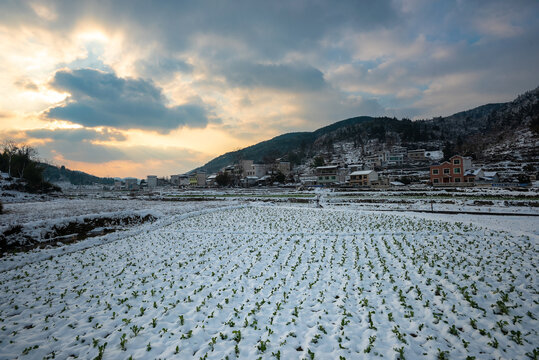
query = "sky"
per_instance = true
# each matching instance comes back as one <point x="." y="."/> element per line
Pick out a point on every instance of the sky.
<point x="130" y="88"/>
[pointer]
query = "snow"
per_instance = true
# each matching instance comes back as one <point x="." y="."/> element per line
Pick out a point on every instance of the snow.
<point x="435" y="155"/>
<point x="249" y="280"/>
<point x="361" y="172"/>
<point x="7" y="195"/>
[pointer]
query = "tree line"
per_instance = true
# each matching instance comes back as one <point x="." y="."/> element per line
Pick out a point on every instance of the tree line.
<point x="21" y="161"/>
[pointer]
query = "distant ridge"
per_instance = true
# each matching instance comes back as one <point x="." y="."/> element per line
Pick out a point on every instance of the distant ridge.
<point x="56" y="174"/>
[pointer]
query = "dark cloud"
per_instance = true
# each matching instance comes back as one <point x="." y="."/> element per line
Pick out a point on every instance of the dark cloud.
<point x="271" y="28"/>
<point x="162" y="67"/>
<point x="330" y="106"/>
<point x="293" y="77"/>
<point x="103" y="99"/>
<point x="492" y="43"/>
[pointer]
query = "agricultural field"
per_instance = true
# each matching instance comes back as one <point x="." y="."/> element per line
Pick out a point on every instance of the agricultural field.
<point x="279" y="281"/>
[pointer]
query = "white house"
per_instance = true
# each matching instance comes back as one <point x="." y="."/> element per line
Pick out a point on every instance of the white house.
<point x="364" y="177"/>
<point x="327" y="174"/>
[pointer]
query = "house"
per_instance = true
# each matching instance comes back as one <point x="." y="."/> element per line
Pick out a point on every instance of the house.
<point x="250" y="181"/>
<point x="211" y="180"/>
<point x="131" y="184"/>
<point x="284" y="167"/>
<point x="364" y="178"/>
<point x="176" y="180"/>
<point x="416" y="155"/>
<point x="355" y="167"/>
<point x="307" y="180"/>
<point x="327" y="174"/>
<point x="264" y="180"/>
<point x="118" y="184"/>
<point x="151" y="180"/>
<point x="201" y="178"/>
<point x="471" y="175"/>
<point x="257" y="170"/>
<point x="184" y="180"/>
<point x="179" y="180"/>
<point x="488" y="177"/>
<point x="450" y="172"/>
<point x="396" y="149"/>
<point x="245" y="167"/>
<point x="394" y="159"/>
<point x="373" y="161"/>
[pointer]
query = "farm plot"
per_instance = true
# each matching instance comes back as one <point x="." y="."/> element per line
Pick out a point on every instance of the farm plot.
<point x="281" y="282"/>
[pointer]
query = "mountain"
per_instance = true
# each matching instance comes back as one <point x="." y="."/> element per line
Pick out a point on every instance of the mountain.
<point x="56" y="174"/>
<point x="279" y="146"/>
<point x="512" y="126"/>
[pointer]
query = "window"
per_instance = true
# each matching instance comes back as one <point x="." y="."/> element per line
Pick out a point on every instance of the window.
<point x="435" y="171"/>
<point x="446" y="171"/>
<point x="456" y="162"/>
<point x="457" y="179"/>
<point x="456" y="171"/>
<point x="333" y="178"/>
<point x="435" y="181"/>
<point x="327" y="177"/>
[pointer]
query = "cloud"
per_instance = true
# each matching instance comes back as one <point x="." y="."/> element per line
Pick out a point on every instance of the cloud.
<point x="293" y="77"/>
<point x="78" y="144"/>
<point x="161" y="67"/>
<point x="26" y="84"/>
<point x="84" y="151"/>
<point x="104" y="99"/>
<point x="93" y="147"/>
<point x="77" y="134"/>
<point x="5" y="114"/>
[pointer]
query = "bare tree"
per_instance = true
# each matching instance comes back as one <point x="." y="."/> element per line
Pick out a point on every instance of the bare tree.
<point x="26" y="154"/>
<point x="9" y="148"/>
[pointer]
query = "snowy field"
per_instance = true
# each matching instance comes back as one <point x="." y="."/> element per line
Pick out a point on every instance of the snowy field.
<point x="278" y="281"/>
<point x="51" y="211"/>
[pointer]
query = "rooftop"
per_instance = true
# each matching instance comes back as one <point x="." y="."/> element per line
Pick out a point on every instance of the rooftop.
<point x="362" y="172"/>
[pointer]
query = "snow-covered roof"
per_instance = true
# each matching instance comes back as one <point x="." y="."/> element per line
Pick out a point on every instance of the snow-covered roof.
<point x="490" y="173"/>
<point x="473" y="172"/>
<point x="396" y="183"/>
<point x="327" y="167"/>
<point x="361" y="172"/>
<point x="464" y="157"/>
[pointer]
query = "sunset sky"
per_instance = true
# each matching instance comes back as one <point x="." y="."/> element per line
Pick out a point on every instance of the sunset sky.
<point x="131" y="88"/>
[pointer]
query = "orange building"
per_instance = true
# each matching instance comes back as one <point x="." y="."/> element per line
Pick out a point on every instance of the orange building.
<point x="452" y="171"/>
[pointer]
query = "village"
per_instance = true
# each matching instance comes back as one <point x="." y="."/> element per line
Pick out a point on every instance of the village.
<point x="397" y="167"/>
